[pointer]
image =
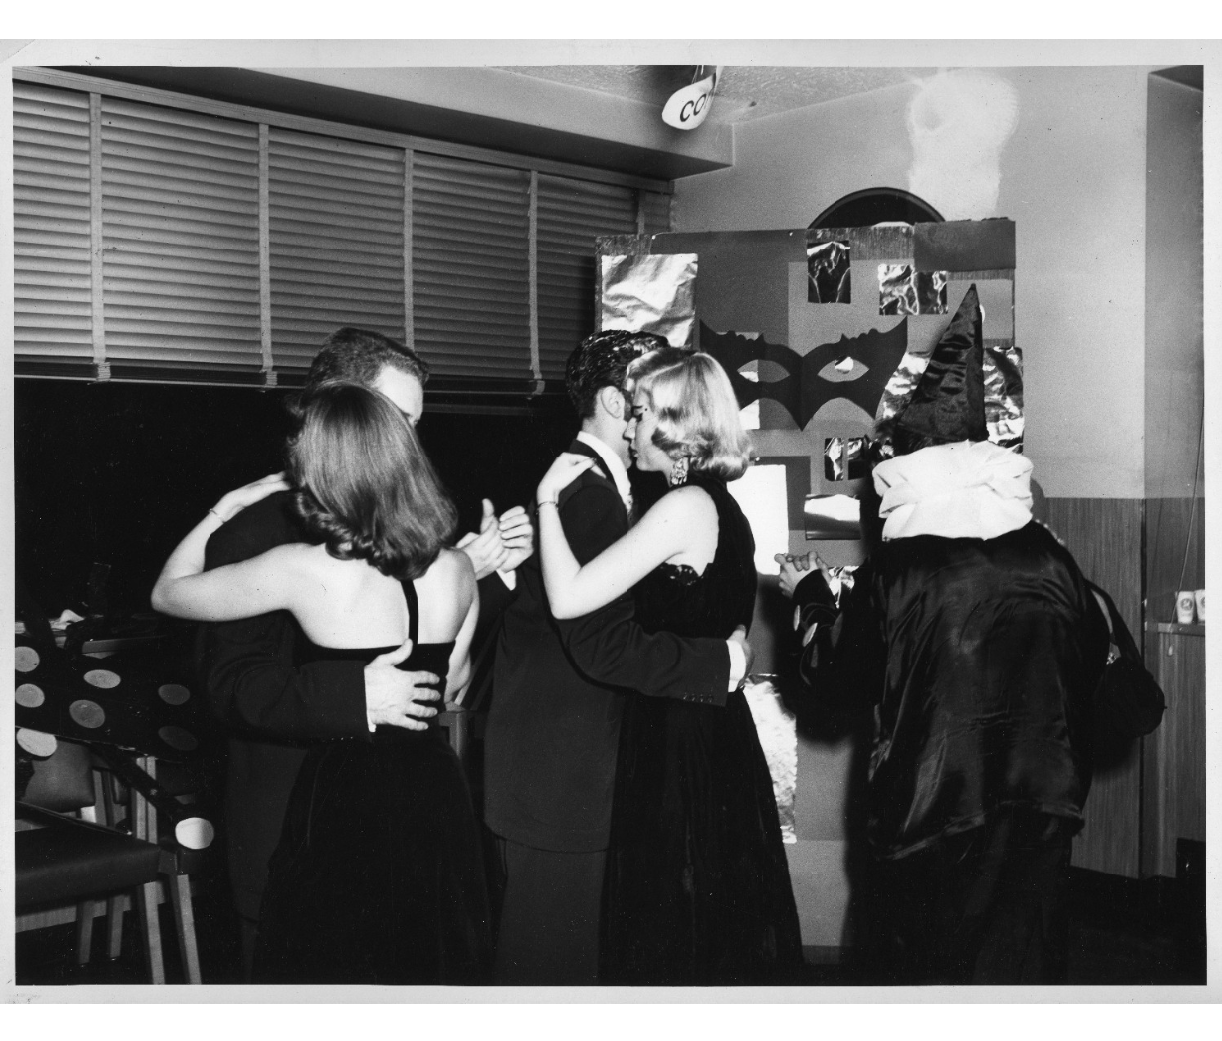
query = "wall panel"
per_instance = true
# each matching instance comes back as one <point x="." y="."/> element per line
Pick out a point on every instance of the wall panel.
<point x="1105" y="537"/>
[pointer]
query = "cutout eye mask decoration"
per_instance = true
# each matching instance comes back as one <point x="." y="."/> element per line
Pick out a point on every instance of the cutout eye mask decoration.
<point x="856" y="368"/>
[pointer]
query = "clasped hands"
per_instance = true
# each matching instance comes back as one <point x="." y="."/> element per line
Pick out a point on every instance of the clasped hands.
<point x="794" y="567"/>
<point x="501" y="543"/>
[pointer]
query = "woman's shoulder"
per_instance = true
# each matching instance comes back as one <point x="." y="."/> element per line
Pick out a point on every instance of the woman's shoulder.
<point x="300" y="556"/>
<point x="451" y="571"/>
<point x="681" y="513"/>
<point x="690" y="500"/>
<point x="446" y="590"/>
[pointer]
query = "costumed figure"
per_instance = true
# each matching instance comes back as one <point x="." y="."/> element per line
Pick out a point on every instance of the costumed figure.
<point x="974" y="637"/>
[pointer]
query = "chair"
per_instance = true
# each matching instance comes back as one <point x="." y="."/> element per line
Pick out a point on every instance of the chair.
<point x="61" y="860"/>
<point x="140" y="710"/>
<point x="58" y="863"/>
<point x="188" y="835"/>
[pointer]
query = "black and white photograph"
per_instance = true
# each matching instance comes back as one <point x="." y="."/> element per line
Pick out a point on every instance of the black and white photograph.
<point x="551" y="520"/>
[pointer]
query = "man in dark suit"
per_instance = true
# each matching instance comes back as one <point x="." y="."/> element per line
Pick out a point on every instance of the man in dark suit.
<point x="558" y="696"/>
<point x="274" y="708"/>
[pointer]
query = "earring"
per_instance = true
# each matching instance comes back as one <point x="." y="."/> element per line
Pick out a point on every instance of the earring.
<point x="678" y="471"/>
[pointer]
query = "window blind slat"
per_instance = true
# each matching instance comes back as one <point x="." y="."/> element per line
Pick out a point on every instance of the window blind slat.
<point x="296" y="225"/>
<point x="221" y="263"/>
<point x="135" y="184"/>
<point x="142" y="297"/>
<point x="304" y="168"/>
<point x="324" y="198"/>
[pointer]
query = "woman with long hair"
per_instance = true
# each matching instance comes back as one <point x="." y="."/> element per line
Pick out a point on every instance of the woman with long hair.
<point x="697" y="888"/>
<point x="378" y="876"/>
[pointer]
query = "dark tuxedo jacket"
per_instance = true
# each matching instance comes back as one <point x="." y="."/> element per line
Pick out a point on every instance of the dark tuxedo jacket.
<point x="559" y="689"/>
<point x="271" y="708"/>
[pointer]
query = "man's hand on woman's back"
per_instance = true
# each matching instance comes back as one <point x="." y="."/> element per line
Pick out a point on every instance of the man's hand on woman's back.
<point x="399" y="698"/>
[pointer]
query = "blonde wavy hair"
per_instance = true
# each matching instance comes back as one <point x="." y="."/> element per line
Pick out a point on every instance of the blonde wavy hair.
<point x="698" y="414"/>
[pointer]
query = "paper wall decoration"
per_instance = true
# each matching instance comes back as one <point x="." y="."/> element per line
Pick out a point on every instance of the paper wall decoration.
<point x="901" y="290"/>
<point x="654" y="293"/>
<point x="844" y="458"/>
<point x="815" y="378"/>
<point x="828" y="273"/>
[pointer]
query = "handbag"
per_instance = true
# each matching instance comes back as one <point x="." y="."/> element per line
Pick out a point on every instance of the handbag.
<point x="1128" y="701"/>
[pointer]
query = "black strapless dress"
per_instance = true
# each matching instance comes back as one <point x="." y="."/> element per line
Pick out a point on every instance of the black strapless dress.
<point x="378" y="877"/>
<point x="697" y="889"/>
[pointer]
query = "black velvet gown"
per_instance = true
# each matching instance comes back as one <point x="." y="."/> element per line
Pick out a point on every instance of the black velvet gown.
<point x="697" y="889"/>
<point x="378" y="877"/>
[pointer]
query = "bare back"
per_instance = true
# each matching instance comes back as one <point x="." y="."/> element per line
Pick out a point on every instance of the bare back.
<point x="349" y="603"/>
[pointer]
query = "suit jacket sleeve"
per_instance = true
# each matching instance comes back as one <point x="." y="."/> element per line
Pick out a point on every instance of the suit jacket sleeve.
<point x="612" y="649"/>
<point x="248" y="670"/>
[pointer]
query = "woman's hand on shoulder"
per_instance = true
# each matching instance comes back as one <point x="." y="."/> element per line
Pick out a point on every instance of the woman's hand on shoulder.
<point x="234" y="502"/>
<point x="563" y="472"/>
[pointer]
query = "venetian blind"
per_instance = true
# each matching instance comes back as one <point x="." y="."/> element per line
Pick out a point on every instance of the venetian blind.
<point x="51" y="229"/>
<point x="180" y="232"/>
<point x="471" y="268"/>
<point x="157" y="241"/>
<point x="336" y="242"/>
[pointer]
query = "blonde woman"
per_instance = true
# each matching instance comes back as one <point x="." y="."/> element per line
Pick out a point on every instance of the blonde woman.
<point x="697" y="888"/>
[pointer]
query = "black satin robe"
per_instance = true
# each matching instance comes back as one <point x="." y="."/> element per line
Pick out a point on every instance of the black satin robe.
<point x="980" y="657"/>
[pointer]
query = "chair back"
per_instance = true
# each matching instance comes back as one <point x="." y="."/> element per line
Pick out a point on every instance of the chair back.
<point x="64" y="781"/>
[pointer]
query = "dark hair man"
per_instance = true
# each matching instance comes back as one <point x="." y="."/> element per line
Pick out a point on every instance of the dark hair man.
<point x="559" y="688"/>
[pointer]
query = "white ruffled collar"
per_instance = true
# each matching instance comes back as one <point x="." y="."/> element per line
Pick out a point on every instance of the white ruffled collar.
<point x="970" y="489"/>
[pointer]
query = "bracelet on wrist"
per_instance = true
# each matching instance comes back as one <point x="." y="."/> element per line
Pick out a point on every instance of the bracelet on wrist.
<point x="547" y="502"/>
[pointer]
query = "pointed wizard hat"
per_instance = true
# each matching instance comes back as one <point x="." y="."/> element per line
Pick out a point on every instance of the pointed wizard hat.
<point x="948" y="403"/>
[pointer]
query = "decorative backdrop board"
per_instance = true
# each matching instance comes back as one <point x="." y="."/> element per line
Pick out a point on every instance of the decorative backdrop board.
<point x="825" y="331"/>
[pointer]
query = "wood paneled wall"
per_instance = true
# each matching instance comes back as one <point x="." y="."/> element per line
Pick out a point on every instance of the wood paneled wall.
<point x="1173" y="782"/>
<point x="1175" y="553"/>
<point x="1105" y="537"/>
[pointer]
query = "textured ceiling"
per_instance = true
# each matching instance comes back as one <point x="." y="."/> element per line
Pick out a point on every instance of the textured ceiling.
<point x="745" y="91"/>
